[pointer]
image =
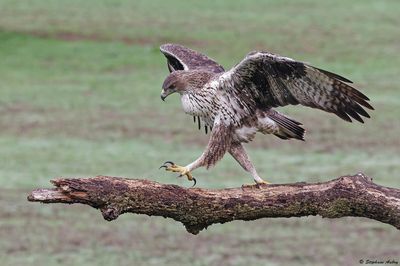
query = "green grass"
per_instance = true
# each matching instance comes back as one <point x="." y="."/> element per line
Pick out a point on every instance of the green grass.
<point x="79" y="96"/>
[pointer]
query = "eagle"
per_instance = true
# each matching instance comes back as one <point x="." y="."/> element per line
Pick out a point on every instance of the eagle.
<point x="236" y="104"/>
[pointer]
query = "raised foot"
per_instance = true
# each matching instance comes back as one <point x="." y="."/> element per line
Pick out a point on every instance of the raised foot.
<point x="172" y="167"/>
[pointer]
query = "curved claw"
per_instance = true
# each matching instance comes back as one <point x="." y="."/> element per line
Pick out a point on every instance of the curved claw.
<point x="171" y="166"/>
<point x="165" y="164"/>
<point x="192" y="179"/>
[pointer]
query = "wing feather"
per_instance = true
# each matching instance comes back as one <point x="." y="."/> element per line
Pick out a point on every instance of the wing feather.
<point x="182" y="58"/>
<point x="274" y="81"/>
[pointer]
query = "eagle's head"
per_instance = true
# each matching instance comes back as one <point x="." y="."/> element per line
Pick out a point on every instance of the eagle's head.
<point x="175" y="82"/>
<point x="182" y="81"/>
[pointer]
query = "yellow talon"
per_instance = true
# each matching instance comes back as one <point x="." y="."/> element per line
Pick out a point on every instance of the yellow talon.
<point x="258" y="184"/>
<point x="262" y="182"/>
<point x="172" y="167"/>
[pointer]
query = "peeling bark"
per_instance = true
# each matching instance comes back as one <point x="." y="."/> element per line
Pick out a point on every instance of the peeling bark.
<point x="198" y="208"/>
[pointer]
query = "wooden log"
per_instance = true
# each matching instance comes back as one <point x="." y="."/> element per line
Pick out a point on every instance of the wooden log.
<point x="199" y="208"/>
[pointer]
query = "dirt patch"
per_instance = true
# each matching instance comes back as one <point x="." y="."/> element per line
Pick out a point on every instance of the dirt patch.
<point x="324" y="135"/>
<point x="27" y="120"/>
<point x="94" y="37"/>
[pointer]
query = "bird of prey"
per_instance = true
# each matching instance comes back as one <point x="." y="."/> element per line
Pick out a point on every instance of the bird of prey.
<point x="238" y="103"/>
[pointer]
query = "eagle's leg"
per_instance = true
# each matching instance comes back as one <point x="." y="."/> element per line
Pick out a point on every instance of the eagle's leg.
<point x="219" y="143"/>
<point x="239" y="153"/>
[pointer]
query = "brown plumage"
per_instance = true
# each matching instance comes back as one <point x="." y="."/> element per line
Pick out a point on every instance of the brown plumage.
<point x="238" y="103"/>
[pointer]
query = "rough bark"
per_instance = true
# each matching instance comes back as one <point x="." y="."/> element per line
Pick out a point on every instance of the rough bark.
<point x="198" y="208"/>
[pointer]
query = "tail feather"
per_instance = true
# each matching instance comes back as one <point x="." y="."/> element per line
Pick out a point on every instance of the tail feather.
<point x="288" y="127"/>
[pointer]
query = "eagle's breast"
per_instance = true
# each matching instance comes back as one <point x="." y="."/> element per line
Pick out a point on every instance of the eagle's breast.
<point x="189" y="105"/>
<point x="202" y="103"/>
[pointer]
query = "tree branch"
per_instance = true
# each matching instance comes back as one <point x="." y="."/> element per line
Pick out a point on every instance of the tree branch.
<point x="198" y="208"/>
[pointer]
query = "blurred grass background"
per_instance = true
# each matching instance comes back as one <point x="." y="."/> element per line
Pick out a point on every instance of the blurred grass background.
<point x="79" y="96"/>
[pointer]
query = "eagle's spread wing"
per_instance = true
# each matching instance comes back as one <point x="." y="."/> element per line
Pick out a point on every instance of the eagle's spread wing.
<point x="182" y="58"/>
<point x="264" y="80"/>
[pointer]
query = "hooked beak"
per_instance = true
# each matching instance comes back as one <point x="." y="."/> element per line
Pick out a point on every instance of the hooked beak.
<point x="164" y="95"/>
